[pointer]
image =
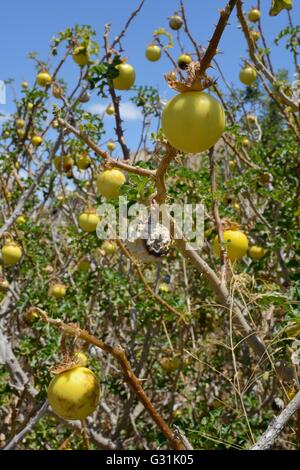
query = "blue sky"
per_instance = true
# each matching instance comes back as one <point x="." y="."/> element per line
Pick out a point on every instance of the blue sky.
<point x="29" y="25"/>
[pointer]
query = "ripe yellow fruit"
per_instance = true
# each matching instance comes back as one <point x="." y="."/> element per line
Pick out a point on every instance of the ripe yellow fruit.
<point x="57" y="290"/>
<point x="108" y="247"/>
<point x="110" y="110"/>
<point x="111" y="146"/>
<point x="81" y="56"/>
<point x="20" y="220"/>
<point x="83" y="162"/>
<point x="74" y="394"/>
<point x="256" y="252"/>
<point x="36" y="140"/>
<point x="153" y="53"/>
<point x="30" y="106"/>
<point x="109" y="182"/>
<point x="164" y="287"/>
<point x="21" y="133"/>
<point x="246" y="142"/>
<point x="88" y="221"/>
<point x="255" y="35"/>
<point x="193" y="121"/>
<point x="248" y="75"/>
<point x="11" y="253"/>
<point x="126" y="77"/>
<point x="183" y="61"/>
<point x="175" y="22"/>
<point x="235" y="242"/>
<point x="254" y="15"/>
<point x="63" y="163"/>
<point x="44" y="79"/>
<point x="20" y="123"/>
<point x="24" y="85"/>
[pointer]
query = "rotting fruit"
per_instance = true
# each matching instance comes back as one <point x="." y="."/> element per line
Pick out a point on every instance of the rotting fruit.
<point x="183" y="61"/>
<point x="74" y="394"/>
<point x="193" y="122"/>
<point x="64" y="163"/>
<point x="109" y="182"/>
<point x="235" y="243"/>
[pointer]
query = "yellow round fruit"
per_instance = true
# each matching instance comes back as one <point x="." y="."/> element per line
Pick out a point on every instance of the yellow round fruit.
<point x="30" y="106"/>
<point x="164" y="287"/>
<point x="248" y="75"/>
<point x="111" y="146"/>
<point x="81" y="56"/>
<point x="24" y="85"/>
<point x="44" y="79"/>
<point x="170" y="364"/>
<point x="83" y="162"/>
<point x="183" y="61"/>
<point x="63" y="163"/>
<point x="21" y="133"/>
<point x="254" y="15"/>
<point x="255" y="35"/>
<point x="175" y="22"/>
<point x="81" y="358"/>
<point x="235" y="242"/>
<point x="88" y="221"/>
<point x="36" y="140"/>
<point x="20" y="220"/>
<point x="193" y="121"/>
<point x="110" y="110"/>
<point x="57" y="290"/>
<point x="109" y="182"/>
<point x="126" y="77"/>
<point x="153" y="53"/>
<point x="256" y="252"/>
<point x="108" y="247"/>
<point x="20" y="123"/>
<point x="11" y="253"/>
<point x="74" y="394"/>
<point x="246" y="142"/>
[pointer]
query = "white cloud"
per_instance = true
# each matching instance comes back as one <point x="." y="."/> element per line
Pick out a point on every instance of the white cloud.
<point x="129" y="112"/>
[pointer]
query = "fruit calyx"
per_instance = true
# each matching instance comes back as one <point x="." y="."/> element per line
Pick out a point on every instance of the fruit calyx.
<point x="193" y="82"/>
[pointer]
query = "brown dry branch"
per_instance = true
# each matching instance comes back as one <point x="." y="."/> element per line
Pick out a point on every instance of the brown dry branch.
<point x="133" y="381"/>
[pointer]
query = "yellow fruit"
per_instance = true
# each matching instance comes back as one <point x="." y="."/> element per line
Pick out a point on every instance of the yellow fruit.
<point x="55" y="124"/>
<point x="20" y="123"/>
<point x="183" y="61"/>
<point x="63" y="163"/>
<point x="57" y="91"/>
<point x="175" y="22"/>
<point x="74" y="394"/>
<point x="153" y="53"/>
<point x="111" y="146"/>
<point x="88" y="221"/>
<point x="83" y="162"/>
<point x="57" y="290"/>
<point x="254" y="15"/>
<point x="126" y="77"/>
<point x="36" y="140"/>
<point x="81" y="56"/>
<point x="24" y="85"/>
<point x="256" y="252"/>
<point x="255" y="35"/>
<point x="170" y="364"/>
<point x="235" y="242"/>
<point x="44" y="79"/>
<point x="31" y="315"/>
<point x="30" y="106"/>
<point x="246" y="142"/>
<point x="108" y="247"/>
<point x="11" y="253"/>
<point x="20" y="220"/>
<point x="21" y="133"/>
<point x="248" y="75"/>
<point x="109" y="182"/>
<point x="110" y="110"/>
<point x="164" y="287"/>
<point x="81" y="358"/>
<point x="193" y="121"/>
